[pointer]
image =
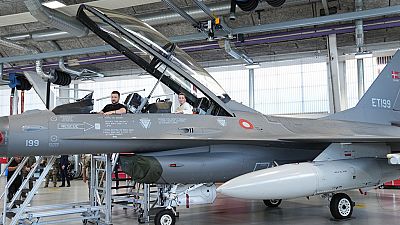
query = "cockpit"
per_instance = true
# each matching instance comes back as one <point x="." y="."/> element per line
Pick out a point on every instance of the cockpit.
<point x="159" y="57"/>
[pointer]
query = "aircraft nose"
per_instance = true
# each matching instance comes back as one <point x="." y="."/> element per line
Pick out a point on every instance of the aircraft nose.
<point x="4" y="125"/>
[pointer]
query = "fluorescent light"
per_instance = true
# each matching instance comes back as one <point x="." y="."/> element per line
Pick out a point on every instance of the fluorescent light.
<point x="363" y="55"/>
<point x="252" y="66"/>
<point x="53" y="4"/>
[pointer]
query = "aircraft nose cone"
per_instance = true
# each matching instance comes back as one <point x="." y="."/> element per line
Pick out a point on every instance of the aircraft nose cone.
<point x="4" y="122"/>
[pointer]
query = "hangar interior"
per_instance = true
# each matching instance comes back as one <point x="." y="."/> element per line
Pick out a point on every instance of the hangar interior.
<point x="302" y="58"/>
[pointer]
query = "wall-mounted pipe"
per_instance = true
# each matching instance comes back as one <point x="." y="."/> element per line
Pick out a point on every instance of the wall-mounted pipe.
<point x="56" y="19"/>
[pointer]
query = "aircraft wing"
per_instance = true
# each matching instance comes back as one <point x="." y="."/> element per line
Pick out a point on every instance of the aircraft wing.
<point x="340" y="139"/>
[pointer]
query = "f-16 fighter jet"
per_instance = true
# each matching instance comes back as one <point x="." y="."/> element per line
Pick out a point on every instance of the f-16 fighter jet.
<point x="222" y="139"/>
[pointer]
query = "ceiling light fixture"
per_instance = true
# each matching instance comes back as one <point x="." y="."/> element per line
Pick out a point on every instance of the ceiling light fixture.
<point x="363" y="55"/>
<point x="252" y="66"/>
<point x="53" y="4"/>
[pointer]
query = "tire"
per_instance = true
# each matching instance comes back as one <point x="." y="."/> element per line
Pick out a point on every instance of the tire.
<point x="341" y="206"/>
<point x="272" y="203"/>
<point x="165" y="217"/>
<point x="276" y="3"/>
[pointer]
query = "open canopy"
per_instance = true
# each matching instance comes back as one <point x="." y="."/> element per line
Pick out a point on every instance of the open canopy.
<point x="152" y="51"/>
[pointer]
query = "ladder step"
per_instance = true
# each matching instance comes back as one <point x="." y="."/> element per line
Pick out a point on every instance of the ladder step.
<point x="119" y="187"/>
<point x="60" y="212"/>
<point x="123" y="194"/>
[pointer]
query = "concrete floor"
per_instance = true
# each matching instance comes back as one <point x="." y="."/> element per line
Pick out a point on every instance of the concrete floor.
<point x="378" y="207"/>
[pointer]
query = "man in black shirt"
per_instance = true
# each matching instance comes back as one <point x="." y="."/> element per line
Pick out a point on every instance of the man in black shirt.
<point x="115" y="107"/>
<point x="18" y="180"/>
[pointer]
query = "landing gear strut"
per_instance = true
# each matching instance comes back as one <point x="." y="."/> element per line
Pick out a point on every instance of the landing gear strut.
<point x="341" y="206"/>
<point x="272" y="203"/>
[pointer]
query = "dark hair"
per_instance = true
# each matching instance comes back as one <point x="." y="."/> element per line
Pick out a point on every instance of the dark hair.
<point x="182" y="94"/>
<point x="117" y="93"/>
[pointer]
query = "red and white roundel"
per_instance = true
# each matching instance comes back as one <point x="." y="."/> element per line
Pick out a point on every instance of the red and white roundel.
<point x="246" y="124"/>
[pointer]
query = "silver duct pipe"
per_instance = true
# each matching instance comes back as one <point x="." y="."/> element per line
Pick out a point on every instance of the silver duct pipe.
<point x="61" y="65"/>
<point x="28" y="50"/>
<point x="13" y="45"/>
<point x="40" y="72"/>
<point x="152" y="19"/>
<point x="56" y="19"/>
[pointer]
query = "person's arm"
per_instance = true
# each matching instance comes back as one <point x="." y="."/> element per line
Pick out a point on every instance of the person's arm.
<point x="122" y="110"/>
<point x="12" y="168"/>
<point x="102" y="111"/>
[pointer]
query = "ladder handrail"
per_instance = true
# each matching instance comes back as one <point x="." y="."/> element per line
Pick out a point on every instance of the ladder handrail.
<point x="35" y="188"/>
<point x="9" y="182"/>
<point x="30" y="174"/>
<point x="5" y="168"/>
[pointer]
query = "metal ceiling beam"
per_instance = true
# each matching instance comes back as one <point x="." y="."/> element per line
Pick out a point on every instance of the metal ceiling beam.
<point x="342" y="17"/>
<point x="244" y="30"/>
<point x="26" y="17"/>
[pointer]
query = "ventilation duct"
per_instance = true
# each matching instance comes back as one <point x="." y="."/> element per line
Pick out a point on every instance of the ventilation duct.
<point x="56" y="19"/>
<point x="275" y="3"/>
<point x="247" y="5"/>
<point x="250" y="5"/>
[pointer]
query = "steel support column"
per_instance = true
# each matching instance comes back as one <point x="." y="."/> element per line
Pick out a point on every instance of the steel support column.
<point x="360" y="49"/>
<point x="333" y="76"/>
<point x="251" y="88"/>
<point x="343" y="85"/>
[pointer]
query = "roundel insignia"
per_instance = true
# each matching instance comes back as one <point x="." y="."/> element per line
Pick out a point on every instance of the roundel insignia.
<point x="246" y="124"/>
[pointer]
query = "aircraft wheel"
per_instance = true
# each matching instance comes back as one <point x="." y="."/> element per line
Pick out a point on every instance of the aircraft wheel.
<point x="341" y="206"/>
<point x="273" y="203"/>
<point x="165" y="217"/>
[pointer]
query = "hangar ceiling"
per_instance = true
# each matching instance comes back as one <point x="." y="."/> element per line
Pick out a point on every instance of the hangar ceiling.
<point x="159" y="15"/>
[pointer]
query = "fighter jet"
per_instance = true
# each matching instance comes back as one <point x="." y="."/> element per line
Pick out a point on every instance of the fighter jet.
<point x="222" y="139"/>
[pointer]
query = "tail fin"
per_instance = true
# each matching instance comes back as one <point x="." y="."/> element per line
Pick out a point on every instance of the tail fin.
<point x="381" y="103"/>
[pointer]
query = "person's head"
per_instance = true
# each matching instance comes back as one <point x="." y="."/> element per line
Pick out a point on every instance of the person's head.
<point x="181" y="98"/>
<point x="18" y="159"/>
<point x="115" y="95"/>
